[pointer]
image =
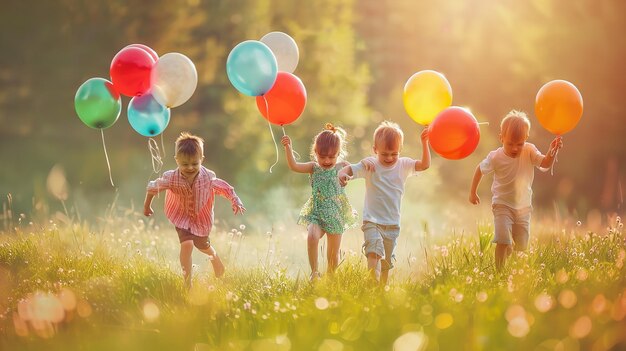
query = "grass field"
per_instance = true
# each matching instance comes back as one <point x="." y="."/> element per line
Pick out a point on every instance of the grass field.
<point x="67" y="286"/>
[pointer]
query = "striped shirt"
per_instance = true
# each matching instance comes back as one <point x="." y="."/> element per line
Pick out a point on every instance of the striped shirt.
<point x="191" y="206"/>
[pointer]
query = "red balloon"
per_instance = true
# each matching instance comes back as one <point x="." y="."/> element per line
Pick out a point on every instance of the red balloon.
<point x="454" y="133"/>
<point x="152" y="53"/>
<point x="286" y="99"/>
<point x="130" y="71"/>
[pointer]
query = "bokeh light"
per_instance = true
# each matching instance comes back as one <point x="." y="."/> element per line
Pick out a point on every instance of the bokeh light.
<point x="411" y="341"/>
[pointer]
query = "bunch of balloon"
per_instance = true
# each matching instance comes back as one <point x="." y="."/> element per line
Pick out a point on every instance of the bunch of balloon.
<point x="286" y="99"/>
<point x="98" y="105"/>
<point x="426" y="93"/>
<point x="454" y="133"/>
<point x="157" y="84"/>
<point x="264" y="69"/>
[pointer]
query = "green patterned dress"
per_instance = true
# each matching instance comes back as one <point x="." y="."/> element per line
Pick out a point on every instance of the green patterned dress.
<point x="328" y="205"/>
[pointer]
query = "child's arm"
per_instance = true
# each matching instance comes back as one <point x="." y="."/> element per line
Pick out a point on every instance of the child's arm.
<point x="344" y="175"/>
<point x="147" y="205"/>
<point x="478" y="175"/>
<point x="153" y="188"/>
<point x="291" y="161"/>
<point x="555" y="145"/>
<point x="222" y="188"/>
<point x="368" y="165"/>
<point x="424" y="163"/>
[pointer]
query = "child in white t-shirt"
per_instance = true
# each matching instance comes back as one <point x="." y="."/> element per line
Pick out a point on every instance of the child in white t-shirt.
<point x="513" y="166"/>
<point x="385" y="176"/>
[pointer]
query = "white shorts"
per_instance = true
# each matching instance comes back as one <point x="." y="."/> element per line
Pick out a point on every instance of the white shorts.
<point x="381" y="240"/>
<point x="511" y="226"/>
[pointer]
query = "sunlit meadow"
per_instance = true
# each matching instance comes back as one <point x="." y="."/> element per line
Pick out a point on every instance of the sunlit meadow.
<point x="116" y="284"/>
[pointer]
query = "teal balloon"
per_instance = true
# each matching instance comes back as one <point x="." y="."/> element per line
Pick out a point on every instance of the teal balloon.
<point x="251" y="67"/>
<point x="97" y="103"/>
<point x="147" y="116"/>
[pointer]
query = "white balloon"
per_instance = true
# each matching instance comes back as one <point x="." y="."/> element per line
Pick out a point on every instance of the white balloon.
<point x="174" y="79"/>
<point x="284" y="48"/>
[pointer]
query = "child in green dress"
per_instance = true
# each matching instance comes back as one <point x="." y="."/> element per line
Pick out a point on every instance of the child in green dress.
<point x="327" y="211"/>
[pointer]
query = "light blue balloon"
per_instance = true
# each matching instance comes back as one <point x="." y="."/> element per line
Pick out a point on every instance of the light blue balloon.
<point x="251" y="67"/>
<point x="147" y="116"/>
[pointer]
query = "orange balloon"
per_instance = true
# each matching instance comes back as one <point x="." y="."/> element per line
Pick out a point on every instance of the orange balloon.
<point x="286" y="99"/>
<point x="454" y="134"/>
<point x="558" y="106"/>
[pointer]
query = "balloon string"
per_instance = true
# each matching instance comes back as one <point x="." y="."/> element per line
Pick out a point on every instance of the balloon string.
<point x="267" y="108"/>
<point x="553" y="153"/>
<point x="296" y="154"/>
<point x="157" y="163"/>
<point x="162" y="146"/>
<point x="106" y="156"/>
<point x="487" y="123"/>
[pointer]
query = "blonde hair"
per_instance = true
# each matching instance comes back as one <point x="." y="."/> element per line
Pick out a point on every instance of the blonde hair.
<point x="388" y="134"/>
<point x="188" y="144"/>
<point x="516" y="125"/>
<point x="329" y="141"/>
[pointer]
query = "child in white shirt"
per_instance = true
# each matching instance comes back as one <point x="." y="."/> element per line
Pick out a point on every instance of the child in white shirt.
<point x="513" y="166"/>
<point x="385" y="176"/>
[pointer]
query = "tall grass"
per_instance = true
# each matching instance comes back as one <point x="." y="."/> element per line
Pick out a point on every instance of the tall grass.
<point x="65" y="285"/>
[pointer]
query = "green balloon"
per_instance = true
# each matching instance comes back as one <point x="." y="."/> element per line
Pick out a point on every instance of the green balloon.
<point x="97" y="103"/>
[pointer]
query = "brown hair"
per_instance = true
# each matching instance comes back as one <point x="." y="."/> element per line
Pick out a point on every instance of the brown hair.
<point x="188" y="144"/>
<point x="388" y="134"/>
<point x="515" y="124"/>
<point x="329" y="141"/>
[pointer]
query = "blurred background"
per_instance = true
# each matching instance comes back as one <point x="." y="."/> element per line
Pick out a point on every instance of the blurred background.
<point x="355" y="57"/>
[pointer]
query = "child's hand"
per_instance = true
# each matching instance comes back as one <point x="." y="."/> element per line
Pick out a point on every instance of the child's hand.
<point x="474" y="199"/>
<point x="424" y="135"/>
<point x="556" y="144"/>
<point x="368" y="165"/>
<point x="343" y="179"/>
<point x="147" y="211"/>
<point x="238" y="207"/>
<point x="285" y="140"/>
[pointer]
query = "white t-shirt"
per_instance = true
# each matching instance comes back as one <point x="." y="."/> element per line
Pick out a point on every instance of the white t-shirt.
<point x="513" y="177"/>
<point x="384" y="189"/>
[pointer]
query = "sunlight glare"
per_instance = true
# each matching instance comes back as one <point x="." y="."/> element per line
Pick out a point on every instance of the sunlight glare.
<point x="83" y="308"/>
<point x="444" y="320"/>
<point x="518" y="327"/>
<point x="331" y="345"/>
<point x="57" y="183"/>
<point x="151" y="311"/>
<point x="581" y="328"/>
<point x="321" y="303"/>
<point x="599" y="304"/>
<point x="46" y="307"/>
<point x="567" y="298"/>
<point x="544" y="302"/>
<point x="411" y="341"/>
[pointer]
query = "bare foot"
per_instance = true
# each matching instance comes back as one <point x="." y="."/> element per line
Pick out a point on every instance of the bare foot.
<point x="218" y="267"/>
<point x="315" y="276"/>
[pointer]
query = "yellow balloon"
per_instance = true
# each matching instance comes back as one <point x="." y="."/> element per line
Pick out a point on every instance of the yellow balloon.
<point x="559" y="106"/>
<point x="426" y="94"/>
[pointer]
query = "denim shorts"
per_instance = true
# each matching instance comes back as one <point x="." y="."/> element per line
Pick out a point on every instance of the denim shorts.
<point x="511" y="226"/>
<point x="380" y="240"/>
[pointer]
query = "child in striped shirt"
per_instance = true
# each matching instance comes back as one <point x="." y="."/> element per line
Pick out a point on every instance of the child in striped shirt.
<point x="191" y="190"/>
